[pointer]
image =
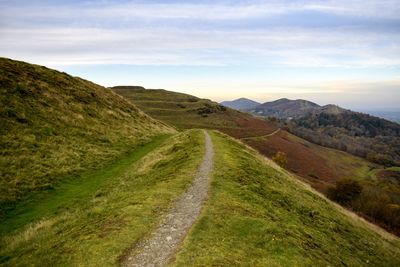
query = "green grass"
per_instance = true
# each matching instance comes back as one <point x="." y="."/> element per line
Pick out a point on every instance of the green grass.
<point x="257" y="215"/>
<point x="54" y="125"/>
<point x="96" y="226"/>
<point x="180" y="110"/>
<point x="74" y="192"/>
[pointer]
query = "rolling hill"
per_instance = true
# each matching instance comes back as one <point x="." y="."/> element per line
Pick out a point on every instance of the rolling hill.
<point x="240" y="104"/>
<point x="133" y="169"/>
<point x="321" y="167"/>
<point x="54" y="126"/>
<point x="186" y="111"/>
<point x="285" y="108"/>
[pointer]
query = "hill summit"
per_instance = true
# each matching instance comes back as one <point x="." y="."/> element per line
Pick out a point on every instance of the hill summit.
<point x="240" y="104"/>
<point x="284" y="108"/>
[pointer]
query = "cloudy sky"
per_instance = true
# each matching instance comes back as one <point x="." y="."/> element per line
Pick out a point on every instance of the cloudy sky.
<point x="342" y="52"/>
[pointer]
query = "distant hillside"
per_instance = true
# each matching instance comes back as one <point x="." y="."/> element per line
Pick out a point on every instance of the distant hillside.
<point x="186" y="111"/>
<point x="240" y="104"/>
<point x="54" y="125"/>
<point x="360" y="134"/>
<point x="285" y="108"/>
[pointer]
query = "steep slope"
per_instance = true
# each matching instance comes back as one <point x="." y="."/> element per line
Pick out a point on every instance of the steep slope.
<point x="259" y="215"/>
<point x="323" y="167"/>
<point x="185" y="111"/>
<point x="285" y="108"/>
<point x="54" y="125"/>
<point x="240" y="104"/>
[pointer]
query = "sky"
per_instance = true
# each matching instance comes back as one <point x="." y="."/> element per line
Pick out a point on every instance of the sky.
<point x="340" y="52"/>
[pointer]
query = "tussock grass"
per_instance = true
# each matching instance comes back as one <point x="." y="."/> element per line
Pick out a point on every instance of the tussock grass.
<point x="54" y="125"/>
<point x="96" y="228"/>
<point x="259" y="215"/>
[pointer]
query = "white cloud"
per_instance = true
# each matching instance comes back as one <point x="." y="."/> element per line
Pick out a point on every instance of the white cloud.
<point x="164" y="46"/>
<point x="111" y="34"/>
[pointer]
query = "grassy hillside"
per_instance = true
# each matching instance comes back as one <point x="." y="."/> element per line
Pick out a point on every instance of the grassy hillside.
<point x="259" y="215"/>
<point x="323" y="167"/>
<point x="185" y="111"/>
<point x="256" y="214"/>
<point x="95" y="221"/>
<point x="53" y="126"/>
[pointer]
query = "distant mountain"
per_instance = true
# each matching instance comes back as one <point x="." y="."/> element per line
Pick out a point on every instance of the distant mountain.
<point x="240" y="104"/>
<point x="285" y="108"/>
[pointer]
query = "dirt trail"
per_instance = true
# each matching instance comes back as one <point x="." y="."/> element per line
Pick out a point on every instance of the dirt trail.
<point x="261" y="136"/>
<point x="162" y="244"/>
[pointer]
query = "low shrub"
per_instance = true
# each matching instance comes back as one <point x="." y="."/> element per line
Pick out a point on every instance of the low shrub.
<point x="280" y="158"/>
<point x="345" y="191"/>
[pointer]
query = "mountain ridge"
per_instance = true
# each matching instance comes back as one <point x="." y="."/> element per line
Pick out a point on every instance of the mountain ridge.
<point x="285" y="108"/>
<point x="241" y="104"/>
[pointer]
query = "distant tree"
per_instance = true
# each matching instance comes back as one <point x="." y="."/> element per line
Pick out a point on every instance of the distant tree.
<point x="345" y="191"/>
<point x="280" y="158"/>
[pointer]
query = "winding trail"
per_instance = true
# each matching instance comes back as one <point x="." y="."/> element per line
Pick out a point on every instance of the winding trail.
<point x="163" y="243"/>
<point x="262" y="136"/>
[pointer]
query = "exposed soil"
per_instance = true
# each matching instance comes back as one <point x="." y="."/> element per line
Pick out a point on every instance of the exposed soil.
<point x="162" y="244"/>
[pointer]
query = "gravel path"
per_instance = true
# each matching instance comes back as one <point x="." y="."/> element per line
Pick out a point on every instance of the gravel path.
<point x="163" y="243"/>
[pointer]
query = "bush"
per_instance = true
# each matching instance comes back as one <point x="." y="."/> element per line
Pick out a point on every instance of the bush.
<point x="280" y="158"/>
<point x="345" y="191"/>
<point x="379" y="206"/>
